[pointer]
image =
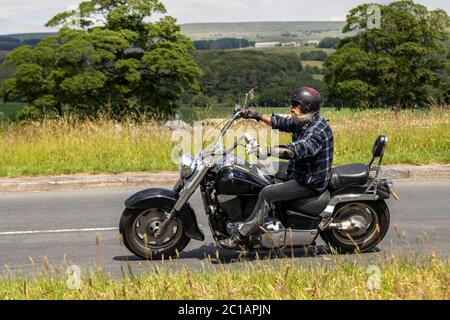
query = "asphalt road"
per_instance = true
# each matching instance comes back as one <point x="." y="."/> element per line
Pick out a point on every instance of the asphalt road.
<point x="80" y="227"/>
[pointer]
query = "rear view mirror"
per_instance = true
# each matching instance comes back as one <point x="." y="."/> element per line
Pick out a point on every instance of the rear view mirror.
<point x="249" y="96"/>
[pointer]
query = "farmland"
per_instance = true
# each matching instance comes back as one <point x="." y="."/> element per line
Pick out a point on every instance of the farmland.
<point x="266" y="31"/>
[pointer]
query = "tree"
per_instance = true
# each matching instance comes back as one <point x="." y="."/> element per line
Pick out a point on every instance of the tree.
<point x="329" y="43"/>
<point x="91" y="70"/>
<point x="315" y="55"/>
<point x="398" y="64"/>
<point x="223" y="44"/>
<point x="229" y="74"/>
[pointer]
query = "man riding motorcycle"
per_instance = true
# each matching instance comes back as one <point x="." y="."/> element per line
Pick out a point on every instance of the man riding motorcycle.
<point x="310" y="158"/>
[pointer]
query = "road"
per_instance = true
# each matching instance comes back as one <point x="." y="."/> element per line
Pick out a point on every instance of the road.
<point x="80" y="227"/>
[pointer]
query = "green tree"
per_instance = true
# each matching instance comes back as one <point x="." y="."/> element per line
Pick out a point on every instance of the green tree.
<point x="398" y="64"/>
<point x="229" y="74"/>
<point x="90" y="69"/>
<point x="315" y="55"/>
<point x="329" y="43"/>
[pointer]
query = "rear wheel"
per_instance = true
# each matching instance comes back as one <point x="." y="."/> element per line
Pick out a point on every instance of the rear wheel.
<point x="373" y="216"/>
<point x="138" y="232"/>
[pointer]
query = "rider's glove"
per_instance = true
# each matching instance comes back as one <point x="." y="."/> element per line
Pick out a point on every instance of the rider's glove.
<point x="252" y="114"/>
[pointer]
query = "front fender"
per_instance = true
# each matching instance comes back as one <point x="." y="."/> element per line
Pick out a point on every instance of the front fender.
<point x="165" y="199"/>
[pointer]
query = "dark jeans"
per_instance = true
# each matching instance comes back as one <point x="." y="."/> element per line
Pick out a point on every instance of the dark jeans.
<point x="279" y="192"/>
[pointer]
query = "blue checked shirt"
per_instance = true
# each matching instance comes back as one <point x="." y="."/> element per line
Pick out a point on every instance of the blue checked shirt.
<point x="312" y="144"/>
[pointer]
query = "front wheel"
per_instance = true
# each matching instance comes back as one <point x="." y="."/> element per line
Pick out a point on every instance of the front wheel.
<point x="138" y="232"/>
<point x="374" y="216"/>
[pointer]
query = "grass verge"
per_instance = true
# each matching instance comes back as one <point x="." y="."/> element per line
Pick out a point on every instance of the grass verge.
<point x="71" y="146"/>
<point x="400" y="278"/>
<point x="311" y="63"/>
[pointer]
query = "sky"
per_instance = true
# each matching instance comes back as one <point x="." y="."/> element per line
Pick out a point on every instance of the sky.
<point x="26" y="16"/>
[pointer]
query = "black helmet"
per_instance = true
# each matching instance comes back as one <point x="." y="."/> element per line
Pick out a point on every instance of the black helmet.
<point x="307" y="98"/>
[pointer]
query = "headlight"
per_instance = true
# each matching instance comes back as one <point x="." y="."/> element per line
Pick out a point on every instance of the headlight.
<point x="186" y="166"/>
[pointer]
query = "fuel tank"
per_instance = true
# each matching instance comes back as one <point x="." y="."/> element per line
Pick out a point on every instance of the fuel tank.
<point x="240" y="179"/>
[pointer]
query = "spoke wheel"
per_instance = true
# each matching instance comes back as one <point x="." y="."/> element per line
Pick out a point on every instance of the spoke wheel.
<point x="361" y="213"/>
<point x="139" y="229"/>
<point x="374" y="219"/>
<point x="146" y="225"/>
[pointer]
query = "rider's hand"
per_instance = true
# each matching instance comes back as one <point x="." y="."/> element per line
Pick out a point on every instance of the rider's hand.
<point x="263" y="153"/>
<point x="252" y="114"/>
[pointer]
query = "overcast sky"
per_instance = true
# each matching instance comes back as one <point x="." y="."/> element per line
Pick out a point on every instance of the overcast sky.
<point x="23" y="16"/>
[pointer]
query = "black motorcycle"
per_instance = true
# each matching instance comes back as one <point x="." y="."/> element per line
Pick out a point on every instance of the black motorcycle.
<point x="350" y="216"/>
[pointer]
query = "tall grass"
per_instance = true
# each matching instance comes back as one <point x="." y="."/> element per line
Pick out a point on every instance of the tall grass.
<point x="400" y="278"/>
<point x="69" y="146"/>
<point x="415" y="137"/>
<point x="73" y="146"/>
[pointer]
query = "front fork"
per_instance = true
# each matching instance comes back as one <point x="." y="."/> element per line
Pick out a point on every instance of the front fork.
<point x="189" y="187"/>
<point x="178" y="187"/>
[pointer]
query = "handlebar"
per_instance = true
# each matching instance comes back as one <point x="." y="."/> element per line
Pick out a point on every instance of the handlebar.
<point x="251" y="145"/>
<point x="238" y="113"/>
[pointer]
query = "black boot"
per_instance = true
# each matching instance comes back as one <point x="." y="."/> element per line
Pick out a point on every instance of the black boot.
<point x="232" y="243"/>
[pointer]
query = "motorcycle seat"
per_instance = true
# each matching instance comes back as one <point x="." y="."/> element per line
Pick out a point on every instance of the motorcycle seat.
<point x="349" y="175"/>
<point x="311" y="206"/>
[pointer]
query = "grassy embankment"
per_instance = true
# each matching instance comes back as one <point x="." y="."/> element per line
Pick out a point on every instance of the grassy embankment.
<point x="400" y="278"/>
<point x="73" y="146"/>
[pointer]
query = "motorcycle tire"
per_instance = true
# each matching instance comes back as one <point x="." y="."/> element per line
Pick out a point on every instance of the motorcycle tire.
<point x="134" y="242"/>
<point x="342" y="242"/>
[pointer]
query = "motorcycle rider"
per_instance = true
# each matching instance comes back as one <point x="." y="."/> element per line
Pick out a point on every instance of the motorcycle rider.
<point x="310" y="158"/>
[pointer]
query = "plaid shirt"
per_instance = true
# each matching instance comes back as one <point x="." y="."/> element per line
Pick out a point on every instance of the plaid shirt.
<point x="313" y="146"/>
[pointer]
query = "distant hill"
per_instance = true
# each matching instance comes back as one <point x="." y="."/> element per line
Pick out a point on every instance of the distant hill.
<point x="265" y="31"/>
<point x="253" y="31"/>
<point x="10" y="42"/>
<point x="25" y="36"/>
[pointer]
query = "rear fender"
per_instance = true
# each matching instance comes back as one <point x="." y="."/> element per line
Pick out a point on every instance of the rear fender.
<point x="382" y="193"/>
<point x="165" y="199"/>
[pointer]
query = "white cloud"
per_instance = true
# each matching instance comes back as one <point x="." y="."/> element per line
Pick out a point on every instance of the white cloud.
<point x="337" y="18"/>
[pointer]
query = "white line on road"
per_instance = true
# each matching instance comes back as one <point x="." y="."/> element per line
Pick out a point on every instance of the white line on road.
<point x="13" y="233"/>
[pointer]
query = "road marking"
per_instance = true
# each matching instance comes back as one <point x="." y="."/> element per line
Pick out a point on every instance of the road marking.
<point x="13" y="233"/>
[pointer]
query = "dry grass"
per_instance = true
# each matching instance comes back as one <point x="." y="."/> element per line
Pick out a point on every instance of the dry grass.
<point x="70" y="146"/>
<point x="400" y="278"/>
<point x="310" y="63"/>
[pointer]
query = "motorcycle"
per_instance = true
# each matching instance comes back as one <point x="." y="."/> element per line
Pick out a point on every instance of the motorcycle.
<point x="350" y="216"/>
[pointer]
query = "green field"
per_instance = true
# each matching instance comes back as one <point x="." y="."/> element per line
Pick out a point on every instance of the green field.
<point x="265" y="31"/>
<point x="319" y="77"/>
<point x="318" y="64"/>
<point x="23" y="36"/>
<point x="254" y="31"/>
<point x="8" y="110"/>
<point x="286" y="50"/>
<point x="400" y="278"/>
